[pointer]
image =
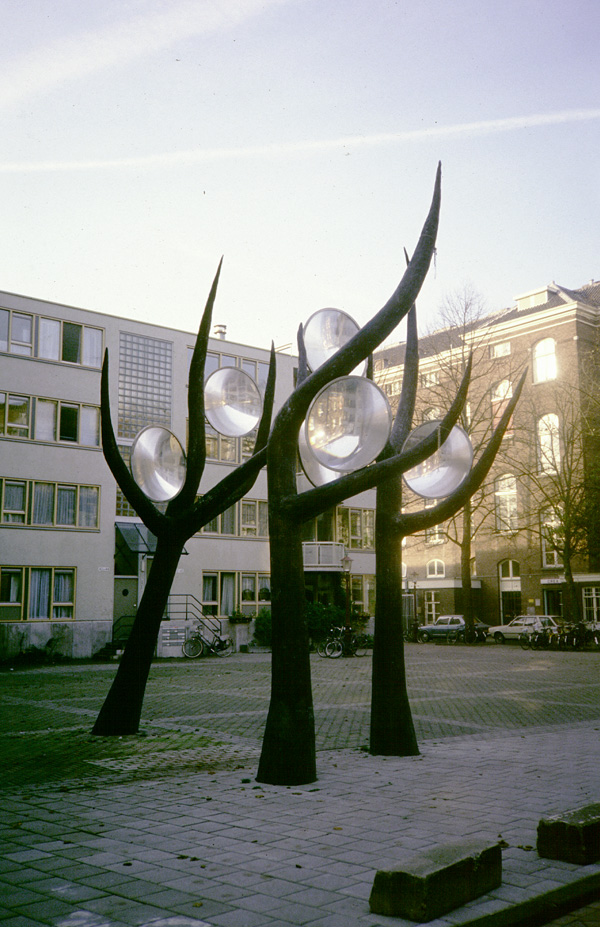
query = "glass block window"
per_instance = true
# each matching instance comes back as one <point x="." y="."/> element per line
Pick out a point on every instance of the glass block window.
<point x="145" y="383"/>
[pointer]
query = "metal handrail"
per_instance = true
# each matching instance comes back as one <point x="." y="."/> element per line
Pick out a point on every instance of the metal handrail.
<point x="185" y="605"/>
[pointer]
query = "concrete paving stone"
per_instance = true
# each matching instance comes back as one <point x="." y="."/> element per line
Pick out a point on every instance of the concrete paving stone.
<point x="67" y="890"/>
<point x="243" y="919"/>
<point x="48" y="910"/>
<point x="14" y="895"/>
<point x="19" y="920"/>
<point x="124" y="909"/>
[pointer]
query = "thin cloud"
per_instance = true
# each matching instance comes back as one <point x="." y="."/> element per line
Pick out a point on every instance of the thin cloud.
<point x="197" y="155"/>
<point x="119" y="43"/>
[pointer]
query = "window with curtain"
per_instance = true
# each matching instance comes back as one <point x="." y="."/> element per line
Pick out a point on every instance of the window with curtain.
<point x="88" y="506"/>
<point x="40" y="585"/>
<point x="227" y="593"/>
<point x="45" y="420"/>
<point x="14" y="507"/>
<point x="43" y="503"/>
<point x="551" y="540"/>
<point x="264" y="587"/>
<point x="66" y="502"/>
<point x="209" y="593"/>
<point x="49" y="339"/>
<point x="92" y="347"/>
<point x="64" y="594"/>
<point x="89" y="430"/>
<point x="229" y="521"/>
<point x="248" y="587"/>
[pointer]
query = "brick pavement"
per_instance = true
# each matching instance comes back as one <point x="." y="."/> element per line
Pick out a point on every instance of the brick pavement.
<point x="171" y="829"/>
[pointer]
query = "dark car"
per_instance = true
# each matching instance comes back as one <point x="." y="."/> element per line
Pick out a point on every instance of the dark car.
<point x="450" y="627"/>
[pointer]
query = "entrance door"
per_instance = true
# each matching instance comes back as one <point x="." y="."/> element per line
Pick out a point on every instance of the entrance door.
<point x="125" y="606"/>
<point x="510" y="590"/>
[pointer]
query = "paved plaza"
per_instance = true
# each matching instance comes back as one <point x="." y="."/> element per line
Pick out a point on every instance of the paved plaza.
<point x="170" y="829"/>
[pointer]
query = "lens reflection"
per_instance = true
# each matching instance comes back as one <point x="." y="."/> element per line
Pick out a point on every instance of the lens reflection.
<point x="348" y="424"/>
<point x="446" y="468"/>
<point x="158" y="463"/>
<point x="232" y="402"/>
<point x="325" y="333"/>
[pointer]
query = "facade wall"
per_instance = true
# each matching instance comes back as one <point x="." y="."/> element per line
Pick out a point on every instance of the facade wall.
<point x="514" y="570"/>
<point x="44" y="553"/>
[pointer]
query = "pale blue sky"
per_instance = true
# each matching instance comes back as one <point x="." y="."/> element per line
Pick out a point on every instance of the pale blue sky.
<point x="143" y="139"/>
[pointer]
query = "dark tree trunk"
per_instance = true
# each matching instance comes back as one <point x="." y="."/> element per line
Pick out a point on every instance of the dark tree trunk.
<point x="288" y="750"/>
<point x="392" y="729"/>
<point x="122" y="708"/>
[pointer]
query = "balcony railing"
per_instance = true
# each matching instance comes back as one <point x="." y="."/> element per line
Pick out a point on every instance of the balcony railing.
<point x="322" y="555"/>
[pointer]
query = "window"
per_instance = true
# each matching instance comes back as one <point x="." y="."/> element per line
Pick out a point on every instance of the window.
<point x="69" y="422"/>
<point x="501" y="349"/>
<point x="544" y="360"/>
<point x="505" y="498"/>
<point x="218" y="593"/>
<point x="436" y="569"/>
<point x="356" y="528"/>
<point x="38" y="503"/>
<point x="548" y="444"/>
<point x="220" y="447"/>
<point x="225" y="523"/>
<point x="255" y="519"/>
<point x="591" y="604"/>
<point x="551" y="539"/>
<point x="255" y="592"/>
<point x="14" y="415"/>
<point x="509" y="569"/>
<point x="56" y="340"/>
<point x="501" y="395"/>
<point x="431" y="415"/>
<point x="431" y="378"/>
<point x="14" y="506"/>
<point x="16" y="333"/>
<point x="49" y="420"/>
<point x="145" y="383"/>
<point x="432" y="605"/>
<point x="37" y="593"/>
<point x="434" y="534"/>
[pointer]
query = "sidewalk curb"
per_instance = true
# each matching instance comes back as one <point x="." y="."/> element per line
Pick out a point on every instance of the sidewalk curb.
<point x="542" y="909"/>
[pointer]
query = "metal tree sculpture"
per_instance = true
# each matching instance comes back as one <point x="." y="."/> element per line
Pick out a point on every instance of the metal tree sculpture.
<point x="184" y="516"/>
<point x="392" y="730"/>
<point x="288" y="751"/>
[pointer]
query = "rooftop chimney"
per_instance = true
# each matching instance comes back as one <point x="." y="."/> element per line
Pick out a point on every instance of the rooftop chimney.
<point x="220" y="331"/>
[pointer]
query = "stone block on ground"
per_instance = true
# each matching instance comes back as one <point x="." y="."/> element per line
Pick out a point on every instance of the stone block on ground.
<point x="438" y="880"/>
<point x="573" y="837"/>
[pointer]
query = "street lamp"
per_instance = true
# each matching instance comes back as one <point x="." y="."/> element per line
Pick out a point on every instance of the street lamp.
<point x="346" y="566"/>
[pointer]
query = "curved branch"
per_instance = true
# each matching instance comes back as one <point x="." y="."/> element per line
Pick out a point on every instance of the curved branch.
<point x="317" y="500"/>
<point x="149" y="514"/>
<point x="410" y="379"/>
<point x="196" y="454"/>
<point x="406" y="524"/>
<point x="370" y="336"/>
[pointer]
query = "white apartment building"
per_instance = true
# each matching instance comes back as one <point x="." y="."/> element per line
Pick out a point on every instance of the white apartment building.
<point x="73" y="554"/>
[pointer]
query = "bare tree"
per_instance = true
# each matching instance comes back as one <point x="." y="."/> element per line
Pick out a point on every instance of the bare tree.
<point x="392" y="730"/>
<point x="463" y="332"/>
<point x="184" y="516"/>
<point x="559" y="473"/>
<point x="288" y="753"/>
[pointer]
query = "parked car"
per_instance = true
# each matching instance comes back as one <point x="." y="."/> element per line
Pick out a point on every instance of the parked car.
<point x="447" y="625"/>
<point x="513" y="630"/>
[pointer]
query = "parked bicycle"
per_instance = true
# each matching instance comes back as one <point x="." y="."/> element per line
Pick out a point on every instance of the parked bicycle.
<point x="341" y="642"/>
<point x="205" y="641"/>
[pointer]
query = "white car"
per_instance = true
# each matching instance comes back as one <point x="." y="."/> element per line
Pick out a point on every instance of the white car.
<point x="516" y="627"/>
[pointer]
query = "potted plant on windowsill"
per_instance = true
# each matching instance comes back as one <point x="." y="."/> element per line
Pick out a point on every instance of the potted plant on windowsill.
<point x="238" y="617"/>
